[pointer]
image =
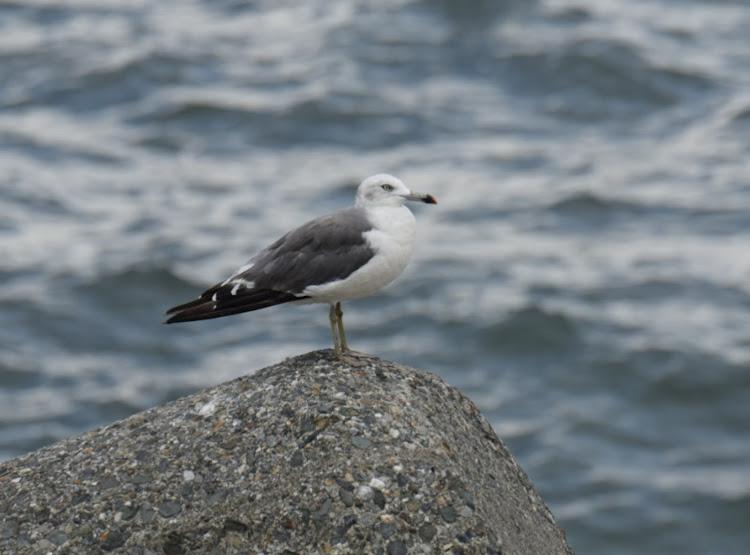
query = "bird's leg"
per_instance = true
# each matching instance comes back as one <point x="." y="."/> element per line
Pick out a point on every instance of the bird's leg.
<point x="342" y="334"/>
<point x="340" y="321"/>
<point x="333" y="319"/>
<point x="337" y="328"/>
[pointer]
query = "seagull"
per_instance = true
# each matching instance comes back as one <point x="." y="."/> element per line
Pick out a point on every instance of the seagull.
<point x="339" y="257"/>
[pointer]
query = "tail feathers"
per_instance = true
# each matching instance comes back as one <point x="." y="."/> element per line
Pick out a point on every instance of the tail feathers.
<point x="246" y="300"/>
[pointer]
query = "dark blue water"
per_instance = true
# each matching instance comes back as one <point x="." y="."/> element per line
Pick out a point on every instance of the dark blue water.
<point x="585" y="278"/>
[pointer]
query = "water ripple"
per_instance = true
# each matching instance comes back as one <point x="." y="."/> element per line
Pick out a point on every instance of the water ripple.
<point x="583" y="279"/>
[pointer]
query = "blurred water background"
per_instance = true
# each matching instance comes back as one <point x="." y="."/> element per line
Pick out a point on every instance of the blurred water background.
<point x="584" y="279"/>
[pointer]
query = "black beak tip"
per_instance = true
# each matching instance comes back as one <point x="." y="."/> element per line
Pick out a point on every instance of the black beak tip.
<point x="429" y="199"/>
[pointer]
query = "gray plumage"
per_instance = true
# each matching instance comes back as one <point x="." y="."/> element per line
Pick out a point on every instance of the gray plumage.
<point x="325" y="249"/>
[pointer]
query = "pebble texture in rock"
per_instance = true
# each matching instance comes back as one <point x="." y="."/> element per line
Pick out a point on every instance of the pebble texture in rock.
<point x="306" y="456"/>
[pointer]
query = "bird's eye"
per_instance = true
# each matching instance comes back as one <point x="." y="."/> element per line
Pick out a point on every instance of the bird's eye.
<point x="387" y="187"/>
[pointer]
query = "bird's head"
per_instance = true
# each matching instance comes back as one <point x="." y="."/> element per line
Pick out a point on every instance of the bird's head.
<point x="385" y="190"/>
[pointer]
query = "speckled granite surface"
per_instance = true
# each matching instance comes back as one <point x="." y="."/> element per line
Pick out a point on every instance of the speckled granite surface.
<point x="305" y="456"/>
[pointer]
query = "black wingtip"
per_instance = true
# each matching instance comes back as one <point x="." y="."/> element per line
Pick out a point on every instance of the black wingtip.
<point x="174" y="315"/>
<point x="205" y="309"/>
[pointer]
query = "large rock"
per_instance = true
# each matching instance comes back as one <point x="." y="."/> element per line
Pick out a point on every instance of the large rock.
<point x="305" y="456"/>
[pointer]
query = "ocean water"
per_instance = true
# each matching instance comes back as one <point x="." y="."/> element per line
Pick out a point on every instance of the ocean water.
<point x="585" y="278"/>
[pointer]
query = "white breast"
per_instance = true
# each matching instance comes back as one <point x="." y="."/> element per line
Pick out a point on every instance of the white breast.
<point x="392" y="239"/>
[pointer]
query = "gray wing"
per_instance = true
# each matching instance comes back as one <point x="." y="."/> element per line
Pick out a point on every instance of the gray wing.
<point x="323" y="250"/>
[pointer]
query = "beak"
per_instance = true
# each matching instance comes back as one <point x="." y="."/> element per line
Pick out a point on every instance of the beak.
<point x="427" y="199"/>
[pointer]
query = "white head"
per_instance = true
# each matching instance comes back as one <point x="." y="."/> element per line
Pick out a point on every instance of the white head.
<point x="385" y="190"/>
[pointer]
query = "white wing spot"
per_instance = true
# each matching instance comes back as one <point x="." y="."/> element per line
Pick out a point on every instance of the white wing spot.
<point x="214" y="297"/>
<point x="245" y="268"/>
<point x="236" y="287"/>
